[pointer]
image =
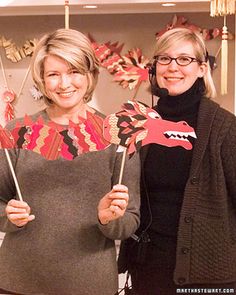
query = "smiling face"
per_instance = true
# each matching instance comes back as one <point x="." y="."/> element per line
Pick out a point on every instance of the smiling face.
<point x="178" y="79"/>
<point x="64" y="85"/>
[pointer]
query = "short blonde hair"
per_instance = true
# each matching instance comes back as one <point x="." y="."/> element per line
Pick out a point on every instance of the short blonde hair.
<point x="178" y="35"/>
<point x="72" y="46"/>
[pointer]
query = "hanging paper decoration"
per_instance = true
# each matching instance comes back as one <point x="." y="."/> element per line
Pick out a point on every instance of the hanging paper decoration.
<point x="129" y="70"/>
<point x="8" y="97"/>
<point x="224" y="59"/>
<point x="134" y="71"/>
<point x="223" y="8"/>
<point x="182" y="22"/>
<point x="36" y="93"/>
<point x="137" y="125"/>
<point x="53" y="141"/>
<point x="16" y="53"/>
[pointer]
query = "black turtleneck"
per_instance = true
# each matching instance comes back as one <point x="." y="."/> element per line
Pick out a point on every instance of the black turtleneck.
<point x="166" y="169"/>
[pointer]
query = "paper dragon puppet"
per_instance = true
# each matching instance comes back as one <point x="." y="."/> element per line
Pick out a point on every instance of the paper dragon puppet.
<point x="133" y="127"/>
<point x="137" y="125"/>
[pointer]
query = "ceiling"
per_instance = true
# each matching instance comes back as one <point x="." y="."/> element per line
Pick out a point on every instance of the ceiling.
<point x="52" y="7"/>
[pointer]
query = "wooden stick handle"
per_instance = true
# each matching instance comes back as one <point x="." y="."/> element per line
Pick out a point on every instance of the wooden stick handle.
<point x="122" y="165"/>
<point x="13" y="174"/>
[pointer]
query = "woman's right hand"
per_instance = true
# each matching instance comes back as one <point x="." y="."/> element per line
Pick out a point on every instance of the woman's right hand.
<point x="18" y="212"/>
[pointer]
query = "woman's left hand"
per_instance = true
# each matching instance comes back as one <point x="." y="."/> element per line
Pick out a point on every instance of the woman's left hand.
<point x="113" y="205"/>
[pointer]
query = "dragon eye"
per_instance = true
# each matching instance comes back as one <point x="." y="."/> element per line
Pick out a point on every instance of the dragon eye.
<point x="154" y="115"/>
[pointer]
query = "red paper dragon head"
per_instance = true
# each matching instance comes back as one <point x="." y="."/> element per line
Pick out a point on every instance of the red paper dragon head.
<point x="137" y="125"/>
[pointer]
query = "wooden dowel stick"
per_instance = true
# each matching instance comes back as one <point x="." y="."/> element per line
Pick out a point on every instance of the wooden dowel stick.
<point x="13" y="174"/>
<point x="122" y="165"/>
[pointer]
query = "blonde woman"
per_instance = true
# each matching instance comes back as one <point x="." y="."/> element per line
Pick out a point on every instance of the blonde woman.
<point x="187" y="235"/>
<point x="60" y="239"/>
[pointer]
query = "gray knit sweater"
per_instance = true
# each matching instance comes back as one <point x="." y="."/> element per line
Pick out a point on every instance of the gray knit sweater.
<point x="64" y="251"/>
<point x="206" y="247"/>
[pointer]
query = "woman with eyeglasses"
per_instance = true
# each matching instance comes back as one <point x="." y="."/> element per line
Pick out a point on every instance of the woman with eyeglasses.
<point x="187" y="237"/>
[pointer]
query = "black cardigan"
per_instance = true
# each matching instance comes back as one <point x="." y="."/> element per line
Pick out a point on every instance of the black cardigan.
<point x="206" y="240"/>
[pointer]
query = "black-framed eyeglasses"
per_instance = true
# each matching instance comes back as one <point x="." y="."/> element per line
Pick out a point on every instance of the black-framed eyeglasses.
<point x="180" y="60"/>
